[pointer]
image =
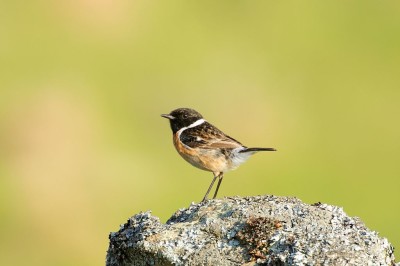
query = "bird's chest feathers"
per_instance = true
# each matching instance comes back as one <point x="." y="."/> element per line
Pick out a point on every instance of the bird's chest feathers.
<point x="205" y="159"/>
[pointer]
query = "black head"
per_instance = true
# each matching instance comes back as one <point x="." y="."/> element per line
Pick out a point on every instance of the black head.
<point x="182" y="117"/>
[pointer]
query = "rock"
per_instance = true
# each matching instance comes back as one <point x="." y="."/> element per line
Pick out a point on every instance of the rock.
<point x="261" y="230"/>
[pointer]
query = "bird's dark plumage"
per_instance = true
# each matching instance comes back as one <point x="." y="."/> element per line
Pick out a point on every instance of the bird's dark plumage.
<point x="205" y="146"/>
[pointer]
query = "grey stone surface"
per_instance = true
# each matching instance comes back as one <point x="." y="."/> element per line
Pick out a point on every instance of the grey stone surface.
<point x="261" y="230"/>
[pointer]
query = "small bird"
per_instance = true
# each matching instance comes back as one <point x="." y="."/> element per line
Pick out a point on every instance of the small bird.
<point x="205" y="146"/>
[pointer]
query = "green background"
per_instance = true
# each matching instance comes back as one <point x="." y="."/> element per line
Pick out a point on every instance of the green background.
<point x="83" y="84"/>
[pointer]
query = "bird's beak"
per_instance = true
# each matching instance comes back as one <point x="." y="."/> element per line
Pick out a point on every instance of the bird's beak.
<point x="168" y="116"/>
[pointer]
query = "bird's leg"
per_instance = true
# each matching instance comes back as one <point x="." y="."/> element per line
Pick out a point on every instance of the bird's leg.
<point x="220" y="176"/>
<point x="208" y="190"/>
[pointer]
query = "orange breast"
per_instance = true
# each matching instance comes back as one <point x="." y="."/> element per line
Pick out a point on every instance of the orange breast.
<point x="205" y="159"/>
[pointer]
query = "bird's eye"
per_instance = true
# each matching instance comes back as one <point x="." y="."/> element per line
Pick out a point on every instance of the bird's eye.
<point x="185" y="116"/>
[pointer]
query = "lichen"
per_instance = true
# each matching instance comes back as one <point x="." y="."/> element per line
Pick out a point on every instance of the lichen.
<point x="266" y="230"/>
<point x="255" y="236"/>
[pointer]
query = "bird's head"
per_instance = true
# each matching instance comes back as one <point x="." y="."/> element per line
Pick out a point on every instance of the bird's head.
<point x="182" y="117"/>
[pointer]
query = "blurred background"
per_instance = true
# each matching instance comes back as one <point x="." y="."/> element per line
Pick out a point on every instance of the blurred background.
<point x="83" y="84"/>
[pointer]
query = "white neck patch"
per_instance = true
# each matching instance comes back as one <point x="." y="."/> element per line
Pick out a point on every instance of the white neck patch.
<point x="194" y="124"/>
<point x="198" y="122"/>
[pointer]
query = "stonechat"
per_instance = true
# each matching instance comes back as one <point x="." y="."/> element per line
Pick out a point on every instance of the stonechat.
<point x="205" y="146"/>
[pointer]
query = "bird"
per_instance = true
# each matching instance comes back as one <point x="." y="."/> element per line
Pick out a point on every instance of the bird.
<point x="206" y="147"/>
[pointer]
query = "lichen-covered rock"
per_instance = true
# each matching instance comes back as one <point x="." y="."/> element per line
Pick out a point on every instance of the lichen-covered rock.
<point x="262" y="230"/>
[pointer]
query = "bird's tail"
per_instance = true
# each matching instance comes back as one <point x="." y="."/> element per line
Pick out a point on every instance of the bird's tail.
<point x="257" y="149"/>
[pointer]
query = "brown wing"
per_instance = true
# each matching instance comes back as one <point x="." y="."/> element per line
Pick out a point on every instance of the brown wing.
<point x="207" y="136"/>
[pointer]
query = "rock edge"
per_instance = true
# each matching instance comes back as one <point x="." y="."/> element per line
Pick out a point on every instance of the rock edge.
<point x="260" y="230"/>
